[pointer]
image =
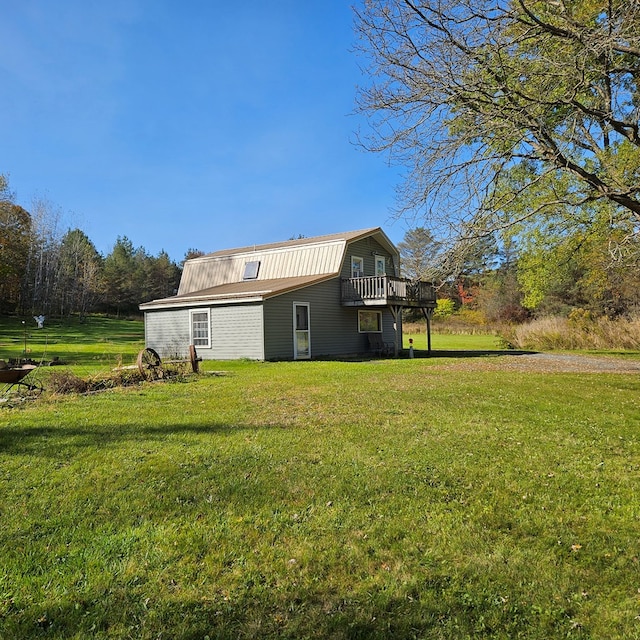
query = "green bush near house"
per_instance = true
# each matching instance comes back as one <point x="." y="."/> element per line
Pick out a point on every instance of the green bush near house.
<point x="445" y="307"/>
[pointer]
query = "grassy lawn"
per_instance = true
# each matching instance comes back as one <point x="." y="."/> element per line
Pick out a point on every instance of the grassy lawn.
<point x="94" y="343"/>
<point x="452" y="342"/>
<point x="381" y="499"/>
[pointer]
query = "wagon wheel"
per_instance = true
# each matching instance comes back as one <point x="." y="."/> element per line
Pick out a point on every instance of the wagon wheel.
<point x="149" y="364"/>
<point x="193" y="356"/>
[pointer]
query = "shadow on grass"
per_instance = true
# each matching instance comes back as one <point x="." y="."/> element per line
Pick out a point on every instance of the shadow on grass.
<point x="57" y="441"/>
<point x="260" y="611"/>
<point x="419" y="354"/>
<point x="480" y="353"/>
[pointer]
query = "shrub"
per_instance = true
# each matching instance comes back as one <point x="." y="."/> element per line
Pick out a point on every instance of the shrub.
<point x="472" y="317"/>
<point x="445" y="307"/>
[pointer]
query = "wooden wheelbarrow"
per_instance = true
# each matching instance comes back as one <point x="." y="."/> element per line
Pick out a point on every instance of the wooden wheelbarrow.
<point x="15" y="376"/>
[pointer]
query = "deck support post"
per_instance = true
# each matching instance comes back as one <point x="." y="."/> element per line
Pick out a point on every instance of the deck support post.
<point x="396" y="311"/>
<point x="428" y="314"/>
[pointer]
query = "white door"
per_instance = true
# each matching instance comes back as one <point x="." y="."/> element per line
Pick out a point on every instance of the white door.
<point x="301" y="333"/>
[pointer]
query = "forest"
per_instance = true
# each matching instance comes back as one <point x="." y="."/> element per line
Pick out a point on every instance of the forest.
<point x="555" y="271"/>
<point x="49" y="271"/>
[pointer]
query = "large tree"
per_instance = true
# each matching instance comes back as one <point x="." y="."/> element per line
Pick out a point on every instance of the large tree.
<point x="79" y="282"/>
<point x="132" y="276"/>
<point x="162" y="277"/>
<point x="15" y="233"/>
<point x="418" y="251"/>
<point x="489" y="103"/>
<point x="123" y="277"/>
<point x="40" y="282"/>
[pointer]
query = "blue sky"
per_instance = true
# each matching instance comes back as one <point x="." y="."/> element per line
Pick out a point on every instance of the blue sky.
<point x="194" y="124"/>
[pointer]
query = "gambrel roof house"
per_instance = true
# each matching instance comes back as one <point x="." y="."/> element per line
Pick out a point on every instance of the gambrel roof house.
<point x="331" y="295"/>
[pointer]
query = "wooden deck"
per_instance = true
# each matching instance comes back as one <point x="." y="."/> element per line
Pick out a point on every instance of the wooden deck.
<point x="387" y="290"/>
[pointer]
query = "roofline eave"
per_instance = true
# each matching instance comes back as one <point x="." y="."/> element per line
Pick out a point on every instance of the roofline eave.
<point x="177" y="302"/>
<point x="198" y="301"/>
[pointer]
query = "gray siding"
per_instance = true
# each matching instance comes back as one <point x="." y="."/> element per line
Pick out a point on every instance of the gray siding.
<point x="236" y="332"/>
<point x="334" y="328"/>
<point x="259" y="333"/>
<point x="167" y="332"/>
<point x="367" y="249"/>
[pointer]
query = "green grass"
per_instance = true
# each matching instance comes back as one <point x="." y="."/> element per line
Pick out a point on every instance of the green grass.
<point x="94" y="343"/>
<point x="381" y="499"/>
<point x="451" y="342"/>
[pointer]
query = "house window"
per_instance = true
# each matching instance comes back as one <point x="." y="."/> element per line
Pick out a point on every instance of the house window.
<point x="370" y="321"/>
<point x="200" y="328"/>
<point x="251" y="270"/>
<point x="357" y="267"/>
<point x="381" y="266"/>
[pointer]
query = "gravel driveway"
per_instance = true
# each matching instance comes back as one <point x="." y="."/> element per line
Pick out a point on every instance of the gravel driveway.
<point x="541" y="363"/>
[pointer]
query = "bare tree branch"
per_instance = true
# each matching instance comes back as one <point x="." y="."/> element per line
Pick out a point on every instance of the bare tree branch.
<point x="466" y="94"/>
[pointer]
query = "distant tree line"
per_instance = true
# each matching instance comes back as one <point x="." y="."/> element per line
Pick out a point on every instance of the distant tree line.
<point x="542" y="270"/>
<point x="46" y="271"/>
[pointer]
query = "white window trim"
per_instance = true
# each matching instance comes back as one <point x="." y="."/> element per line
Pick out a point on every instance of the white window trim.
<point x="379" y="258"/>
<point x="360" y="274"/>
<point x="379" y="314"/>
<point x="191" y="338"/>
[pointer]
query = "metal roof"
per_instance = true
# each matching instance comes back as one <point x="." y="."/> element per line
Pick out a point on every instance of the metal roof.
<point x="250" y="290"/>
<point x="348" y="236"/>
<point x="281" y="266"/>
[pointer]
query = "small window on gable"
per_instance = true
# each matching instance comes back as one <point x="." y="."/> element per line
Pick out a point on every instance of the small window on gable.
<point x="251" y="270"/>
<point x="381" y="266"/>
<point x="357" y="267"/>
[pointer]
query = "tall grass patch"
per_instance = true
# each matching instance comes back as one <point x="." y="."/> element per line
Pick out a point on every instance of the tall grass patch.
<point x="578" y="331"/>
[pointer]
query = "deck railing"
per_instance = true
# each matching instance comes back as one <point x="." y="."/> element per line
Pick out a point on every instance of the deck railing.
<point x="387" y="290"/>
